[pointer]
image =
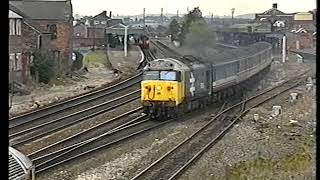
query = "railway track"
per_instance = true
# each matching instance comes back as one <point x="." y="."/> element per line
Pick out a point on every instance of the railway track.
<point x="86" y="134"/>
<point x="49" y="158"/>
<point x="32" y="119"/>
<point x="34" y="125"/>
<point x="165" y="50"/>
<point x="173" y="163"/>
<point x="119" y="134"/>
<point x="71" y="103"/>
<point x="57" y="124"/>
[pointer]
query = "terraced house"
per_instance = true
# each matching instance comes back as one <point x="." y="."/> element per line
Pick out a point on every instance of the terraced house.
<point x="40" y="24"/>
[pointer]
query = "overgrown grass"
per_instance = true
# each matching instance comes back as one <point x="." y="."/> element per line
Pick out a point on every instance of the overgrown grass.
<point x="291" y="165"/>
<point x="96" y="59"/>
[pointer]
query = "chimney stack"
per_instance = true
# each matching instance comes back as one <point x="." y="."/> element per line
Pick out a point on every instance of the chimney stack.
<point x="104" y="13"/>
<point x="110" y="14"/>
<point x="275" y="5"/>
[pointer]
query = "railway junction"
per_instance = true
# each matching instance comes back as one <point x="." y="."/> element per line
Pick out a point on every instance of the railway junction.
<point x="102" y="130"/>
<point x="90" y="138"/>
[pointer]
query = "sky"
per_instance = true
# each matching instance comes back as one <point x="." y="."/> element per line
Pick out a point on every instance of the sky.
<point x="217" y="7"/>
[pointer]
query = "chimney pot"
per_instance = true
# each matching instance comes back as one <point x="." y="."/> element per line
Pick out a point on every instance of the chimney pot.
<point x="275" y="5"/>
<point x="110" y="13"/>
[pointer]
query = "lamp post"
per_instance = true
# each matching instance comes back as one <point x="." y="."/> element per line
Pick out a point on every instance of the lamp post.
<point x="125" y="40"/>
<point x="232" y="12"/>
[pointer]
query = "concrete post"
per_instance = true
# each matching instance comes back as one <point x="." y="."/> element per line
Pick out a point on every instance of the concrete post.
<point x="309" y="87"/>
<point x="125" y="40"/>
<point x="276" y="110"/>
<point x="284" y="49"/>
<point x="293" y="97"/>
<point x="256" y="117"/>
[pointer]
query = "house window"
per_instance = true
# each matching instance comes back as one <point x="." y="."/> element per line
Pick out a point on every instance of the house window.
<point x="15" y="63"/>
<point x="103" y="22"/>
<point x="11" y="61"/>
<point x="18" y="26"/>
<point x="96" y="22"/>
<point x="15" y="27"/>
<point x="18" y="64"/>
<point x="12" y="27"/>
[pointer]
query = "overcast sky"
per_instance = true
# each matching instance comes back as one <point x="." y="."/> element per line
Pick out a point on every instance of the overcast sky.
<point x="217" y="7"/>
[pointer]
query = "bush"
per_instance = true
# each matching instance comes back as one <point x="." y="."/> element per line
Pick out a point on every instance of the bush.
<point x="44" y="65"/>
<point x="78" y="63"/>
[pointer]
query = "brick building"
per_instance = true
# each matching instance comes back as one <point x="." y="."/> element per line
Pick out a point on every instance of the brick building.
<point x="93" y="31"/>
<point x="54" y="19"/>
<point x="279" y="20"/>
<point x="24" y="38"/>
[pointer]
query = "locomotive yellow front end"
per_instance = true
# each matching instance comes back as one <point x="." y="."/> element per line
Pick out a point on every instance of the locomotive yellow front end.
<point x="168" y="92"/>
<point x="162" y="91"/>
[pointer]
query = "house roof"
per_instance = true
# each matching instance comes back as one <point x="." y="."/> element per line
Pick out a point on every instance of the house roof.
<point x="14" y="15"/>
<point x="274" y="11"/>
<point x="112" y="22"/>
<point x="44" y="9"/>
<point x="101" y="16"/>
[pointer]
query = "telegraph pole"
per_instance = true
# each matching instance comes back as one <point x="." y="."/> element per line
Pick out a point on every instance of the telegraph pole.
<point x="177" y="15"/>
<point x="232" y="12"/>
<point x="144" y="16"/>
<point x="161" y="16"/>
<point x="125" y="40"/>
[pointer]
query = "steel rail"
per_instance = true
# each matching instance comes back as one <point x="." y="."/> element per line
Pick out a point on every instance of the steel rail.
<point x="151" y="167"/>
<point x="65" y="118"/>
<point x="35" y="154"/>
<point x="46" y="165"/>
<point x="64" y="105"/>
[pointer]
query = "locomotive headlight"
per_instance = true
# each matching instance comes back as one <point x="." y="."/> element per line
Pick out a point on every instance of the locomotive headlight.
<point x="169" y="88"/>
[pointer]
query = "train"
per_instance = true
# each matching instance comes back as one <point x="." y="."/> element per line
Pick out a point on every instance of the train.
<point x="173" y="86"/>
<point x="144" y="42"/>
<point x="20" y="166"/>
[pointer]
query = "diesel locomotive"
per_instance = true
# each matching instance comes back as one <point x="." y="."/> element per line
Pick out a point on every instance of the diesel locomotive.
<point x="172" y="86"/>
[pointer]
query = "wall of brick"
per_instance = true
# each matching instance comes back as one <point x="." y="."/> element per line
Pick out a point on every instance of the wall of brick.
<point x="80" y="31"/>
<point x="61" y="47"/>
<point x="304" y="41"/>
<point x="95" y="32"/>
<point x="87" y="42"/>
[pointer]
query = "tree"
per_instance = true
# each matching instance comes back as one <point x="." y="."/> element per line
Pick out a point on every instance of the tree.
<point x="43" y="66"/>
<point x="199" y="35"/>
<point x="193" y="16"/>
<point x="174" y="29"/>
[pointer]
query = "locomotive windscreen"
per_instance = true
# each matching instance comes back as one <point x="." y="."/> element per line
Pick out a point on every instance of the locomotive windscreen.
<point x="161" y="75"/>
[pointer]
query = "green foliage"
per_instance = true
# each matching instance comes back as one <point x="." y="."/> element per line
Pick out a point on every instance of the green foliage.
<point x="77" y="64"/>
<point x="193" y="16"/>
<point x="97" y="59"/>
<point x="199" y="33"/>
<point x="44" y="65"/>
<point x="174" y="29"/>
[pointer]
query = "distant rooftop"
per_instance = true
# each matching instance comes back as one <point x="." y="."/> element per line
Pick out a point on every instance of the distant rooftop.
<point x="44" y="9"/>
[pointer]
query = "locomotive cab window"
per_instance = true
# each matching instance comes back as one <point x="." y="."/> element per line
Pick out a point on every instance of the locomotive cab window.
<point x="151" y="75"/>
<point x="161" y="75"/>
<point x="168" y="75"/>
